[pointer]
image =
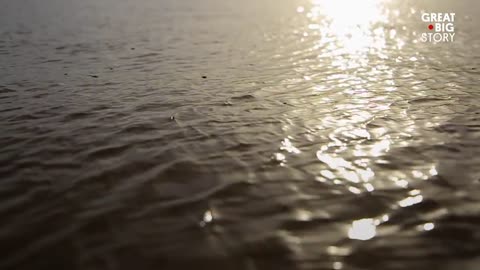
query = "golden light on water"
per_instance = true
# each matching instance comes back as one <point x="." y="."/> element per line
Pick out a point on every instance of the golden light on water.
<point x="354" y="38"/>
<point x="287" y="145"/>
<point x="349" y="23"/>
<point x="349" y="39"/>
<point x="363" y="229"/>
<point x="428" y="226"/>
<point x="411" y="201"/>
<point x="207" y="218"/>
<point x="349" y="12"/>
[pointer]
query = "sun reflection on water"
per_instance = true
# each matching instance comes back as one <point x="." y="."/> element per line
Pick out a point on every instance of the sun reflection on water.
<point x="350" y="39"/>
<point x="363" y="229"/>
<point x="353" y="58"/>
<point x="351" y="29"/>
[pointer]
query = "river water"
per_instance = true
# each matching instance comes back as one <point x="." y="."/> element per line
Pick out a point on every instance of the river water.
<point x="225" y="134"/>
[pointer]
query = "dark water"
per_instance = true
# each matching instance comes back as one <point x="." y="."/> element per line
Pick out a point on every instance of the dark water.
<point x="222" y="134"/>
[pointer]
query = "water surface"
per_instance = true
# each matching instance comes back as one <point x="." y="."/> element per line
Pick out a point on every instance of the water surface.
<point x="223" y="134"/>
